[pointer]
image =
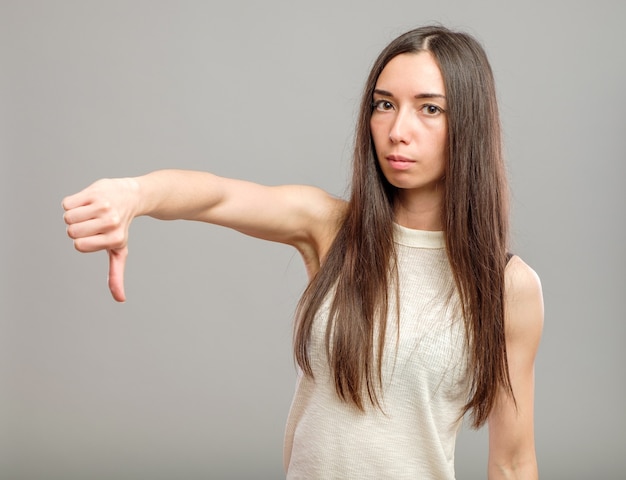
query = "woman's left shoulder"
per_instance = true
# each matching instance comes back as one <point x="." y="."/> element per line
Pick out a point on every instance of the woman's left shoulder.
<point x="523" y="298"/>
<point x="518" y="275"/>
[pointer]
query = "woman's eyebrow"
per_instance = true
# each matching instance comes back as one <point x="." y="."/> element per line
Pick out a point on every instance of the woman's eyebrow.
<point x="385" y="93"/>
<point x="430" y="95"/>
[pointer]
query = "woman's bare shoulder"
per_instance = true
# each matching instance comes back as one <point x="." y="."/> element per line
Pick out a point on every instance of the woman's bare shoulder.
<point x="520" y="277"/>
<point x="523" y="300"/>
<point x="322" y="205"/>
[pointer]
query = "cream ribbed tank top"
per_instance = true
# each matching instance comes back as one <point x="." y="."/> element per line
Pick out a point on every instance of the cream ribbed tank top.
<point x="424" y="385"/>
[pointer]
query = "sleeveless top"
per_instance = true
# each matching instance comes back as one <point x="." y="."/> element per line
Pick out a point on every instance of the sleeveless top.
<point x="424" y="384"/>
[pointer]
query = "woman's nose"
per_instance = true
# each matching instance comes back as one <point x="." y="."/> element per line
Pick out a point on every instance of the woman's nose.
<point x="401" y="127"/>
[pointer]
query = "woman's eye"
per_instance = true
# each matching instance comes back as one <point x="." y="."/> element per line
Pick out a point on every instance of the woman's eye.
<point x="432" y="109"/>
<point x="383" y="105"/>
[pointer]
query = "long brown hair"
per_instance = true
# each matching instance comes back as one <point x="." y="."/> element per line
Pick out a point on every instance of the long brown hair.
<point x="360" y="266"/>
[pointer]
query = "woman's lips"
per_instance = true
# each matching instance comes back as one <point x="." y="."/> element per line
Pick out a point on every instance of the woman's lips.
<point x="398" y="162"/>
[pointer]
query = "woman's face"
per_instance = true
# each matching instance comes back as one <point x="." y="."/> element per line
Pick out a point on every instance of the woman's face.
<point x="409" y="125"/>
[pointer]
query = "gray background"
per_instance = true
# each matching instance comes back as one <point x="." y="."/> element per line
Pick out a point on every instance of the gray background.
<point x="192" y="377"/>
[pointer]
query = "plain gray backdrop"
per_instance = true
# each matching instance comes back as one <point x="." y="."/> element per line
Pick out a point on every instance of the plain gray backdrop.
<point x="192" y="378"/>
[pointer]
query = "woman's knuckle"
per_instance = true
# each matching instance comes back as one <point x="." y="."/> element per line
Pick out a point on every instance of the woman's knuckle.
<point x="117" y="239"/>
<point x="80" y="246"/>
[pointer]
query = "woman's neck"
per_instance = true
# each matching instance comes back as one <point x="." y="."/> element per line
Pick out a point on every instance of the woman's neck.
<point x="418" y="215"/>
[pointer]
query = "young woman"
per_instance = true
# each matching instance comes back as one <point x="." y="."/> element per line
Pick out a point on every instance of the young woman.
<point x="415" y="313"/>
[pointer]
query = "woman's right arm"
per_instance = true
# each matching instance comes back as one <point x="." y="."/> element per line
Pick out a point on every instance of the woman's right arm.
<point x="99" y="216"/>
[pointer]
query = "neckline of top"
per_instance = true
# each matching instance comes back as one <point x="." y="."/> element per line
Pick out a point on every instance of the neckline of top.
<point x="418" y="238"/>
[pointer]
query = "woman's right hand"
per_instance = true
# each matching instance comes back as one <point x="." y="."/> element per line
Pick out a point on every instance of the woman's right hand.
<point x="98" y="218"/>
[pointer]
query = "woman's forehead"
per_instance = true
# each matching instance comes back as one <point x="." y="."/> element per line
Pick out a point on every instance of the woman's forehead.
<point x="415" y="73"/>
